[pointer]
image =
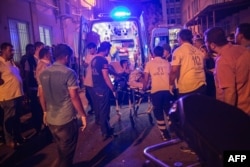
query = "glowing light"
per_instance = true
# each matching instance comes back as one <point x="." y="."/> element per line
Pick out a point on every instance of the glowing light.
<point x="120" y="12"/>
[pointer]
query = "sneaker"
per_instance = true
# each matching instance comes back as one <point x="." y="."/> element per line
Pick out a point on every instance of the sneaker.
<point x="90" y="112"/>
<point x="163" y="138"/>
<point x="165" y="135"/>
<point x="186" y="150"/>
<point x="111" y="134"/>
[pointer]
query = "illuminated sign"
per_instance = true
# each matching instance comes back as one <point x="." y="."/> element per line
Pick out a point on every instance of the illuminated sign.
<point x="88" y="3"/>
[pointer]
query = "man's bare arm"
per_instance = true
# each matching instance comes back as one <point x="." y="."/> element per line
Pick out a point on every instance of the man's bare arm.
<point x="174" y="74"/>
<point x="230" y="95"/>
<point x="76" y="101"/>
<point x="43" y="103"/>
<point x="107" y="79"/>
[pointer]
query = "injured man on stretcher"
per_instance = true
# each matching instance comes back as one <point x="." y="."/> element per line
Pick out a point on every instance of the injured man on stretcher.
<point x="125" y="77"/>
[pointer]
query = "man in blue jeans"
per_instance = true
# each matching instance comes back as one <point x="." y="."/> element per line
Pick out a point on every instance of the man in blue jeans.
<point x="58" y="93"/>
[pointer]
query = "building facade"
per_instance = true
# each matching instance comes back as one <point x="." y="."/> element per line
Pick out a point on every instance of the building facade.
<point x="200" y="15"/>
<point x="48" y="21"/>
<point x="173" y="12"/>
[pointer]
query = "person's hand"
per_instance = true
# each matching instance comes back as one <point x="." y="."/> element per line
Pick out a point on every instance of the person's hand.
<point x="44" y="119"/>
<point x="171" y="89"/>
<point x="84" y="123"/>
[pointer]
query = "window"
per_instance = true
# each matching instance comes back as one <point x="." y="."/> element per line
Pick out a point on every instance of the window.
<point x="178" y="10"/>
<point x="19" y="37"/>
<point x="171" y="10"/>
<point x="67" y="7"/>
<point x="172" y="21"/>
<point x="45" y="35"/>
<point x="178" y="21"/>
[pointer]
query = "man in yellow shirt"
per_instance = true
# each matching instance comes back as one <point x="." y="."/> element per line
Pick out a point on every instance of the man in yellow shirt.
<point x="187" y="66"/>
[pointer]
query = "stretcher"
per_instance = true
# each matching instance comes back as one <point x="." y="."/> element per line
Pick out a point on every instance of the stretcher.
<point x="135" y="98"/>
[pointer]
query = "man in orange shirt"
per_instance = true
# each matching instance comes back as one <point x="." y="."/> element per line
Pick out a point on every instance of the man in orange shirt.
<point x="232" y="69"/>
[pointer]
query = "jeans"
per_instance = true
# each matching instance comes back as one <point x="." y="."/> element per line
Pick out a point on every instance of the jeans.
<point x="161" y="103"/>
<point x="92" y="101"/>
<point x="65" y="137"/>
<point x="11" y="123"/>
<point x="36" y="110"/>
<point x="103" y="106"/>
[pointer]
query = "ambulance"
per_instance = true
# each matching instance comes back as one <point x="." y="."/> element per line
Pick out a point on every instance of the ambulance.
<point x="164" y="34"/>
<point x="126" y="33"/>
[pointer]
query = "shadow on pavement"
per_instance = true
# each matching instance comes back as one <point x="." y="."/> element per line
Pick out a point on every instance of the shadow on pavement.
<point x="116" y="146"/>
<point x="33" y="145"/>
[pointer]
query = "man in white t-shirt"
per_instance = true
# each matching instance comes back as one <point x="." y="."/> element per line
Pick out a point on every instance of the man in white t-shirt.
<point x="158" y="69"/>
<point x="187" y="66"/>
<point x="87" y="79"/>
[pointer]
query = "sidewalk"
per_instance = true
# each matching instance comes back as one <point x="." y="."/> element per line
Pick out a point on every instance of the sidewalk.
<point x="126" y="150"/>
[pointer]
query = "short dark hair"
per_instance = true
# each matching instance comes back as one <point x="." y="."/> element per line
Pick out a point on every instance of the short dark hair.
<point x="104" y="46"/>
<point x="158" y="51"/>
<point x="62" y="50"/>
<point x="91" y="45"/>
<point x="123" y="62"/>
<point x="186" y="35"/>
<point x="167" y="47"/>
<point x="5" y="45"/>
<point x="38" y="44"/>
<point x="44" y="51"/>
<point x="244" y="28"/>
<point x="200" y="40"/>
<point x="216" y="35"/>
<point x="29" y="46"/>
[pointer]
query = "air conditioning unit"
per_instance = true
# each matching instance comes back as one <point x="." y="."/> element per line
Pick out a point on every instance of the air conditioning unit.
<point x="64" y="8"/>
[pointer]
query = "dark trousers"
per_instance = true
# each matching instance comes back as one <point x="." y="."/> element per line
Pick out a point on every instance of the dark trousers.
<point x="201" y="90"/>
<point x="161" y="103"/>
<point x="36" y="110"/>
<point x="90" y="94"/>
<point x="65" y="137"/>
<point x="11" y="123"/>
<point x="103" y="105"/>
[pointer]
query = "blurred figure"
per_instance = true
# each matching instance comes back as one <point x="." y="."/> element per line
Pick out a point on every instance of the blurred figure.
<point x="199" y="44"/>
<point x="102" y="86"/>
<point x="125" y="66"/>
<point x="167" y="54"/>
<point x="232" y="75"/>
<point x="230" y="38"/>
<point x="58" y="93"/>
<point x="11" y="92"/>
<point x="187" y="66"/>
<point x="31" y="86"/>
<point x="209" y="66"/>
<point x="45" y="60"/>
<point x="242" y="35"/>
<point x="158" y="69"/>
<point x="87" y="79"/>
<point x="29" y="51"/>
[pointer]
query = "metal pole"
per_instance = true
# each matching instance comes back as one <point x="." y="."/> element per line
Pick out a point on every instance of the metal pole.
<point x="201" y="26"/>
<point x="164" y="11"/>
<point x="207" y="21"/>
<point x="214" y="18"/>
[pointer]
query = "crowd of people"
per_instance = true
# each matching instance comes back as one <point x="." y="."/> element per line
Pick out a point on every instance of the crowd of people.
<point x="212" y="66"/>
